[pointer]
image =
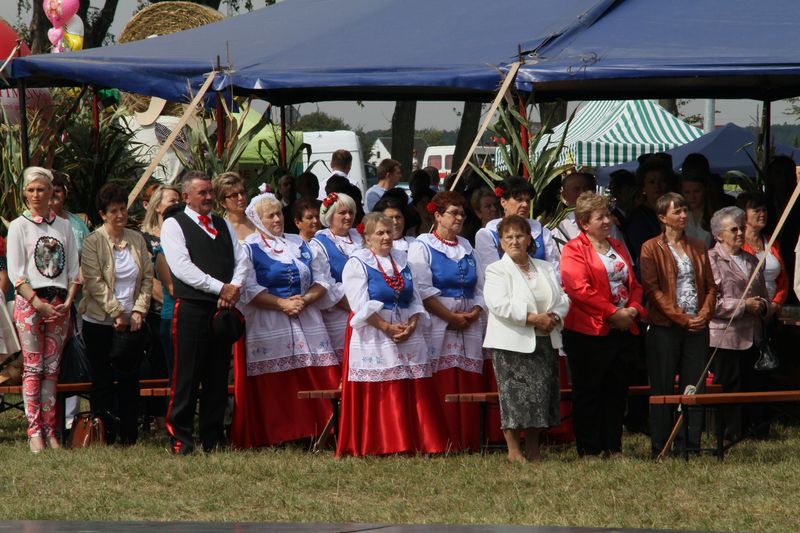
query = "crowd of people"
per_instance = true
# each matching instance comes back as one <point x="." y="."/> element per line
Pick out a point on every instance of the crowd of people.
<point x="399" y="300"/>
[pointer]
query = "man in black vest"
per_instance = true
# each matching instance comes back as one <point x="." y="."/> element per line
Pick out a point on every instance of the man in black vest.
<point x="208" y="267"/>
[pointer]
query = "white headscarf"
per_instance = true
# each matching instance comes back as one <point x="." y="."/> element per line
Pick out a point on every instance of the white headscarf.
<point x="252" y="216"/>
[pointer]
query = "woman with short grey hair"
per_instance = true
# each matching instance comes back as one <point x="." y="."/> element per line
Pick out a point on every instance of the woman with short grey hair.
<point x="735" y="343"/>
<point x="336" y="243"/>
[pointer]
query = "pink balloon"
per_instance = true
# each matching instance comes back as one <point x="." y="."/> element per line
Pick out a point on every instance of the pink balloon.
<point x="60" y="11"/>
<point x="55" y="35"/>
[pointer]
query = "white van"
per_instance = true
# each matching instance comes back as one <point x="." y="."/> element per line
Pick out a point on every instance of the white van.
<point x="441" y="158"/>
<point x="323" y="144"/>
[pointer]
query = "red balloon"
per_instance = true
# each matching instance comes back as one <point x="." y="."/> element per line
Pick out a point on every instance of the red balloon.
<point x="8" y="40"/>
<point x="9" y="102"/>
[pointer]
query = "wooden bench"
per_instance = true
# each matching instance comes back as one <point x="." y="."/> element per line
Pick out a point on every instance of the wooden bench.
<point x="720" y="399"/>
<point x="148" y="388"/>
<point x="335" y="397"/>
<point x="484" y="399"/>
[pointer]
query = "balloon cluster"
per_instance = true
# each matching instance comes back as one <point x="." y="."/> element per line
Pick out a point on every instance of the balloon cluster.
<point x="67" y="31"/>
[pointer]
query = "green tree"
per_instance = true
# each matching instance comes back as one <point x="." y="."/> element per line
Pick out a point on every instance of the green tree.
<point x="319" y="121"/>
<point x="432" y="136"/>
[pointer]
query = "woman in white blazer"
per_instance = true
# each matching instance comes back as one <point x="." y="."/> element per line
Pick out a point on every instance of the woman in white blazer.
<point x="526" y="310"/>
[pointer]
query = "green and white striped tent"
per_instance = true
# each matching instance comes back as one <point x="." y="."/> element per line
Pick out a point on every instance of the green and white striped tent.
<point x="605" y="133"/>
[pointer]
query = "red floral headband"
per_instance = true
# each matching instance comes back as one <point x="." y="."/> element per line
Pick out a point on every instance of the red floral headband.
<point x="499" y="191"/>
<point x="431" y="207"/>
<point x="360" y="228"/>
<point x="330" y="200"/>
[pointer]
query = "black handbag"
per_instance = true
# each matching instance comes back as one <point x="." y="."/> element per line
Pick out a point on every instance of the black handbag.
<point x="128" y="348"/>
<point x="767" y="359"/>
<point x="75" y="365"/>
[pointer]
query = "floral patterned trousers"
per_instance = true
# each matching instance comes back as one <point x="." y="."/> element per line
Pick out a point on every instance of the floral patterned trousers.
<point x="42" y="343"/>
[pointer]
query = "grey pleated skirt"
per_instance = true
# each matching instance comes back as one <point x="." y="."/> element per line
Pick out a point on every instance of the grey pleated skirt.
<point x="528" y="384"/>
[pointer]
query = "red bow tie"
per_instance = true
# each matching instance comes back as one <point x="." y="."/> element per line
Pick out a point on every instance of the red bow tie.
<point x="206" y="222"/>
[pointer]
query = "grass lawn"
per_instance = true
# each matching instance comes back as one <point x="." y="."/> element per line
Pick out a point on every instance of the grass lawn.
<point x="756" y="488"/>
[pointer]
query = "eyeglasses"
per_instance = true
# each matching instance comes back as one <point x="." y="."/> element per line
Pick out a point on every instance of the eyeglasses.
<point x="736" y="229"/>
<point x="456" y="214"/>
<point x="236" y="194"/>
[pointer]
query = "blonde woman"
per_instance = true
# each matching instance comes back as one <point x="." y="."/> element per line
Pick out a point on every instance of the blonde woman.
<point x="231" y="196"/>
<point x="43" y="266"/>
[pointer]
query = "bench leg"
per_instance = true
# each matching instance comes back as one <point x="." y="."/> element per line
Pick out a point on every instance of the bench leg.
<point x="720" y="435"/>
<point x="61" y="411"/>
<point x="335" y="403"/>
<point x="482" y="409"/>
<point x="322" y="441"/>
<point x="685" y="410"/>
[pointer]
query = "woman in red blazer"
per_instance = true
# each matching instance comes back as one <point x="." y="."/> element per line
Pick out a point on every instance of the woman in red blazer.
<point x="600" y="328"/>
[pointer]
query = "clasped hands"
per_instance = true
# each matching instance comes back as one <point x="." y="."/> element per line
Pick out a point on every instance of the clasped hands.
<point x="623" y="318"/>
<point x="401" y="331"/>
<point x="121" y="323"/>
<point x="228" y="296"/>
<point x="50" y="312"/>
<point x="461" y="320"/>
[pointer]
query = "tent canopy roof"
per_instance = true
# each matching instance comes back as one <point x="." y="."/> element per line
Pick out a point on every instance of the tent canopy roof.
<point x="313" y="50"/>
<point x="688" y="48"/>
<point x="726" y="148"/>
<point x="607" y="133"/>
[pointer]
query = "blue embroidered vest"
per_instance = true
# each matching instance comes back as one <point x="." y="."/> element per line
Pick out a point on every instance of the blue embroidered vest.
<point x="380" y="291"/>
<point x="282" y="279"/>
<point x="538" y="241"/>
<point x="455" y="279"/>
<point x="336" y="259"/>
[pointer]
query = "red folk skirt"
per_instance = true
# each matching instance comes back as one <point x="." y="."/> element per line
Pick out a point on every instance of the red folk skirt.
<point x="267" y="410"/>
<point x="388" y="417"/>
<point x="463" y="419"/>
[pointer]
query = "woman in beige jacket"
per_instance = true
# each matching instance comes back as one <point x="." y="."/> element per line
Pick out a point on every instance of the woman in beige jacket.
<point x="118" y="280"/>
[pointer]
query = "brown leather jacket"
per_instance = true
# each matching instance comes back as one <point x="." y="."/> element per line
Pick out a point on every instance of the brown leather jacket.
<point x="659" y="274"/>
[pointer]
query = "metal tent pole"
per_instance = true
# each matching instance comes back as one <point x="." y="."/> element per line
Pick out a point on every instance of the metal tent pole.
<point x="23" y="124"/>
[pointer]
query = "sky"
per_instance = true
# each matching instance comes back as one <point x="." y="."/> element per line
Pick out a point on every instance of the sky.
<point x="441" y="115"/>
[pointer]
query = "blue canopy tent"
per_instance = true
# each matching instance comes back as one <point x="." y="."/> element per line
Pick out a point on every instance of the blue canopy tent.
<point x="726" y="148"/>
<point x="316" y="50"/>
<point x="687" y="48"/>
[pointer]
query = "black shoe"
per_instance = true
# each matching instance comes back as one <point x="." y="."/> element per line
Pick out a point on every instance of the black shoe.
<point x="216" y="446"/>
<point x="181" y="448"/>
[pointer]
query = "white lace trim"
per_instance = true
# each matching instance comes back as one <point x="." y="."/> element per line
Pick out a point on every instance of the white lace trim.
<point x="459" y="361"/>
<point x="292" y="362"/>
<point x="424" y="370"/>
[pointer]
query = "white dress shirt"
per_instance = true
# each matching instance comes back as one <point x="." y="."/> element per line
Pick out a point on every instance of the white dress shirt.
<point x="323" y="183"/>
<point x="173" y="242"/>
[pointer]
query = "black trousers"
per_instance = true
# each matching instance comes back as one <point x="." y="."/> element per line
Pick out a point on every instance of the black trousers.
<point x="600" y="369"/>
<point x="201" y="358"/>
<point x="118" y="405"/>
<point x="154" y="366"/>
<point x="670" y="351"/>
<point x="733" y="369"/>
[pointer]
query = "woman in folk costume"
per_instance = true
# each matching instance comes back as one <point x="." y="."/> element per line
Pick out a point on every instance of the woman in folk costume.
<point x="450" y="283"/>
<point x="288" y="348"/>
<point x="389" y="400"/>
<point x="335" y="244"/>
